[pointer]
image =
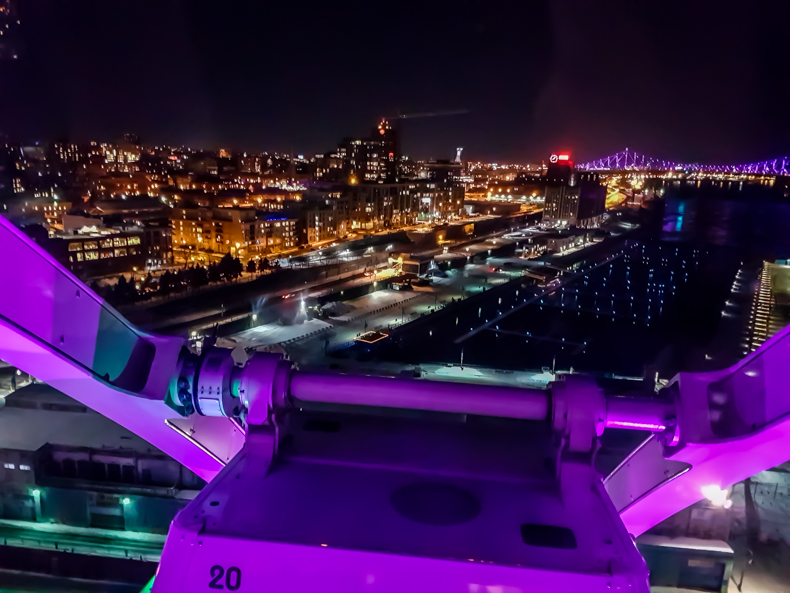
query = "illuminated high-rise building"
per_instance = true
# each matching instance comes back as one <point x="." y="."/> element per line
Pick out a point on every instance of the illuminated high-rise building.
<point x="373" y="159"/>
<point x="572" y="198"/>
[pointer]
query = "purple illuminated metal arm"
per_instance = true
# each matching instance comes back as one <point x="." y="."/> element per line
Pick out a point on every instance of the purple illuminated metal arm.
<point x="59" y="331"/>
<point x="732" y="424"/>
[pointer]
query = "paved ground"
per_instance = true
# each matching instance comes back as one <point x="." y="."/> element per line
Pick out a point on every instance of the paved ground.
<point x="388" y="308"/>
<point x="376" y="301"/>
<point x="768" y="572"/>
<point x="274" y="333"/>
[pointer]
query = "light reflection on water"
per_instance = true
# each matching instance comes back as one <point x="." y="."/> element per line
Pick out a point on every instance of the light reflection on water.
<point x="761" y="228"/>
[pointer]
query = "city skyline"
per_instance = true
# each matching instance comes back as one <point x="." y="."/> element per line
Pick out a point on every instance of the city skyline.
<point x="438" y="297"/>
<point x="270" y="78"/>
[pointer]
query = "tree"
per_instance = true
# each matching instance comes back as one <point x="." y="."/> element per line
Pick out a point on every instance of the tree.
<point x="199" y="277"/>
<point x="149" y="283"/>
<point x="166" y="282"/>
<point x="263" y="265"/>
<point x="180" y="279"/>
<point x="214" y="274"/>
<point x="251" y="267"/>
<point x="226" y="267"/>
<point x="124" y="291"/>
<point x="237" y="268"/>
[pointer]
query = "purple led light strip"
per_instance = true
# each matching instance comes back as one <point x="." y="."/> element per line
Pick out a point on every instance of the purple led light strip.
<point x="630" y="160"/>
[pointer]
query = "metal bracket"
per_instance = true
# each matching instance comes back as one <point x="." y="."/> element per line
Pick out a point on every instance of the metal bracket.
<point x="262" y="386"/>
<point x="578" y="412"/>
<point x="212" y="389"/>
<point x="578" y="416"/>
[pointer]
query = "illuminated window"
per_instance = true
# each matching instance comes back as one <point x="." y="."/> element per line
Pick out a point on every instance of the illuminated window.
<point x="9" y="466"/>
<point x="24" y="468"/>
<point x="91" y="245"/>
<point x="105" y="254"/>
<point x="79" y="256"/>
<point x="106" y="242"/>
<point x="120" y="252"/>
<point x="75" y="246"/>
<point x="119" y="242"/>
<point x="90" y="255"/>
<point x="135" y="240"/>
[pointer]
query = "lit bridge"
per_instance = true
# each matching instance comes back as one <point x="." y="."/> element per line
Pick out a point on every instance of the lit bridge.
<point x="628" y="160"/>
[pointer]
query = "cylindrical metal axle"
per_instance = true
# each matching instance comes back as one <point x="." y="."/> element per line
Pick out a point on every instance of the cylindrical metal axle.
<point x="464" y="398"/>
<point x="460" y="398"/>
<point x="266" y="382"/>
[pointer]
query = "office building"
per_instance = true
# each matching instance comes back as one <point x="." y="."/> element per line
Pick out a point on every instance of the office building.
<point x="573" y="199"/>
<point x="592" y="200"/>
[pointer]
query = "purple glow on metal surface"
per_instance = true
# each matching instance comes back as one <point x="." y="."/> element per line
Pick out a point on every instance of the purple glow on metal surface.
<point x="49" y="327"/>
<point x="461" y="398"/>
<point x="627" y="160"/>
<point x="635" y="425"/>
<point x="734" y="423"/>
<point x="287" y="568"/>
<point x="638" y="413"/>
<point x="322" y="522"/>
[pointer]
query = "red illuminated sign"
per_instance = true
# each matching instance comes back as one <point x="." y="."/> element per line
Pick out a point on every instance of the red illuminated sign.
<point x="561" y="157"/>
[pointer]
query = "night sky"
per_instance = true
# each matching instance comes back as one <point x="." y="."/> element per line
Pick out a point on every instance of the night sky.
<point x="682" y="79"/>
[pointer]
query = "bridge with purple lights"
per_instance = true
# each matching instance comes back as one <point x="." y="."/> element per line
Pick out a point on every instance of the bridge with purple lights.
<point x="629" y="160"/>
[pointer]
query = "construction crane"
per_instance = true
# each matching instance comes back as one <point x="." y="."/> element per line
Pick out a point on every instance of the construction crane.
<point x="431" y="114"/>
<point x="416" y="115"/>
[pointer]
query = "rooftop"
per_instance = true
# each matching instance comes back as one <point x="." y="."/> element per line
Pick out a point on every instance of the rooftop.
<point x="39" y="414"/>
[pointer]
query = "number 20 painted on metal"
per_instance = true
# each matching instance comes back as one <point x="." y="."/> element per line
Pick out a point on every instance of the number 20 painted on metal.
<point x="232" y="578"/>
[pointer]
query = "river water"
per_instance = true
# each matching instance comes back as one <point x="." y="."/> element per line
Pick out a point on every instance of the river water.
<point x="755" y="228"/>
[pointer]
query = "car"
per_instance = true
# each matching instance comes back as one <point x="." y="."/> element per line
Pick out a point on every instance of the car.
<point x="289" y="295"/>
